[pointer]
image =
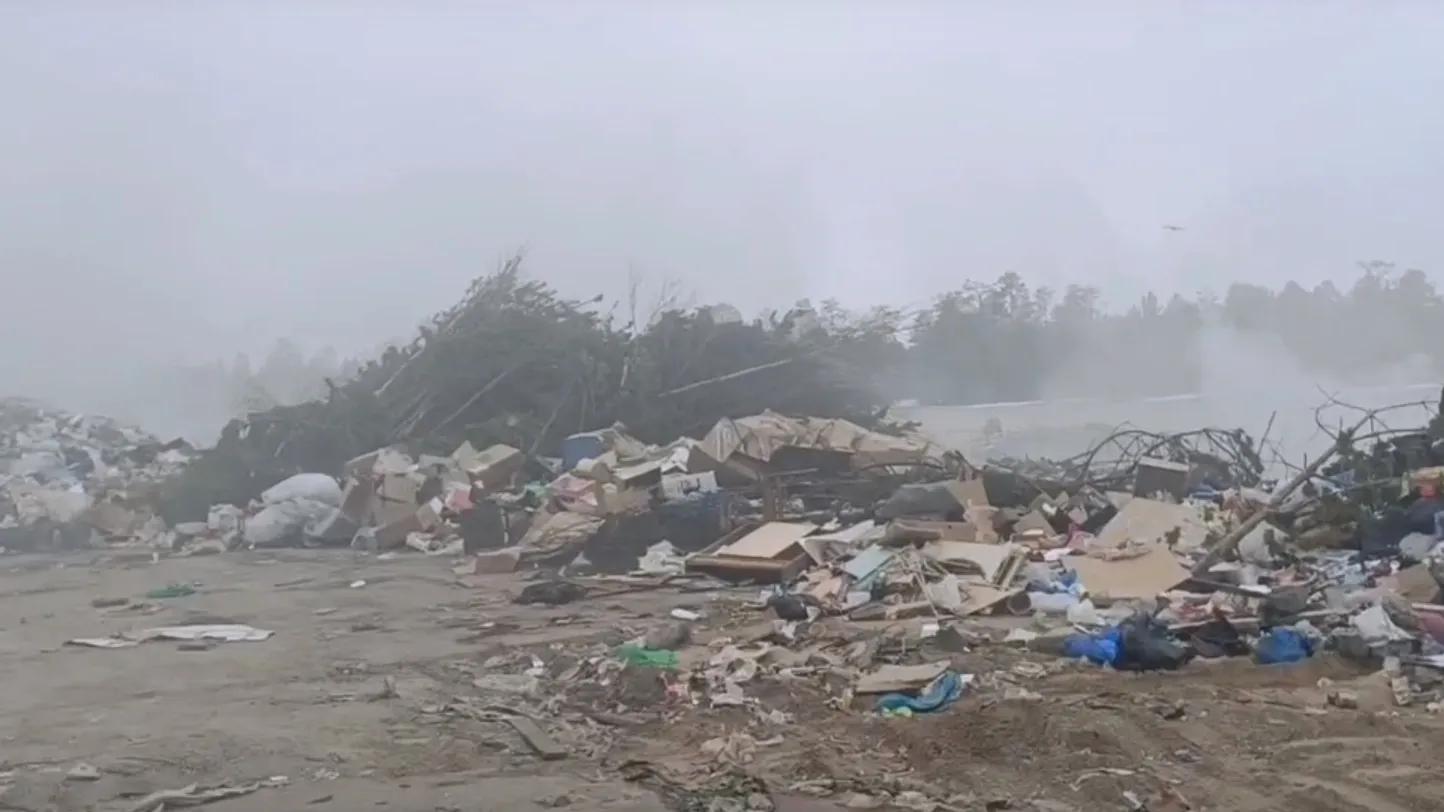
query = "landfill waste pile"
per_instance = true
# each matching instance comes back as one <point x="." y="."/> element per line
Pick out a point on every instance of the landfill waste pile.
<point x="881" y="574"/>
<point x="71" y="480"/>
<point x="823" y="560"/>
<point x="1130" y="562"/>
<point x="1148" y="550"/>
<point x="747" y="604"/>
<point x="611" y="503"/>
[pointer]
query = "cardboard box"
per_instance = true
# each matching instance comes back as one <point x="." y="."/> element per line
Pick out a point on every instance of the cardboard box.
<point x="395" y="497"/>
<point x="494" y="468"/>
<point x="358" y="501"/>
<point x="680" y="486"/>
<point x="614" y="501"/>
<point x="495" y="562"/>
<point x="1162" y="476"/>
<point x="393" y="534"/>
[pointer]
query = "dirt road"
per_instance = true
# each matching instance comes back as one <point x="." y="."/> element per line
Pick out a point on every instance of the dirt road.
<point x="393" y="694"/>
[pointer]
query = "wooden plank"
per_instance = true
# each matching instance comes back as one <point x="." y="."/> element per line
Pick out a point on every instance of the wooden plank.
<point x="762" y="570"/>
<point x="889" y="678"/>
<point x="544" y="745"/>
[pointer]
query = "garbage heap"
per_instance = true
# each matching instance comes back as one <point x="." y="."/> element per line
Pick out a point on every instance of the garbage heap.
<point x="1192" y="559"/>
<point x="72" y="480"/>
<point x="601" y="506"/>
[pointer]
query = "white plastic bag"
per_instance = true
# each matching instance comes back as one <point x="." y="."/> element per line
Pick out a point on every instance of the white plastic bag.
<point x="1377" y="628"/>
<point x="225" y="520"/>
<point x="283" y="521"/>
<point x="313" y="487"/>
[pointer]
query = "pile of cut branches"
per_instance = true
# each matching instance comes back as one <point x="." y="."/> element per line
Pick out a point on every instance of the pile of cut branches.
<point x="514" y="362"/>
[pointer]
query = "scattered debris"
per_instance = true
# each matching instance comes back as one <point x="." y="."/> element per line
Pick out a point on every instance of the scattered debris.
<point x="551" y="593"/>
<point x="196" y="795"/>
<point x="876" y="564"/>
<point x="234" y="633"/>
<point x="83" y="772"/>
<point x="536" y="738"/>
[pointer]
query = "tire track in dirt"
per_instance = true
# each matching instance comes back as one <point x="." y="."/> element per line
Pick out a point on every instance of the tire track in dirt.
<point x="1227" y="775"/>
<point x="1376" y="773"/>
<point x="1332" y="744"/>
<point x="1352" y="795"/>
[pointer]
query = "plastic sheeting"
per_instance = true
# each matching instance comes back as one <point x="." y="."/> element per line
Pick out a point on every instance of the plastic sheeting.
<point x="939" y="693"/>
<point x="762" y="435"/>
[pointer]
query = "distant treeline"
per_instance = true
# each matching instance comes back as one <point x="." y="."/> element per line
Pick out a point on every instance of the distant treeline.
<point x="1006" y="341"/>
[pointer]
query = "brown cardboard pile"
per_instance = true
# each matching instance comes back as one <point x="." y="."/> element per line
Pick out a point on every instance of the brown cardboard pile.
<point x="943" y="549"/>
<point x="401" y="498"/>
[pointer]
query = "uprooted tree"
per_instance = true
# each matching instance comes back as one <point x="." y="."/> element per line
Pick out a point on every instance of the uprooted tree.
<point x="514" y="362"/>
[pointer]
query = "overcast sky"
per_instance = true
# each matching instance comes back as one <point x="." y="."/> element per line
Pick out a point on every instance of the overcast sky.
<point x="193" y="179"/>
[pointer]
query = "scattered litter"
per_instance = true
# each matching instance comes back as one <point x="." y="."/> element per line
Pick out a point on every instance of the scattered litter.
<point x="83" y="772"/>
<point x="1139" y="643"/>
<point x="900" y="678"/>
<point x="171" y="591"/>
<point x="885" y="561"/>
<point x="943" y="690"/>
<point x="551" y="593"/>
<point x="1283" y="645"/>
<point x="233" y="633"/>
<point x="633" y="654"/>
<point x="197" y="795"/>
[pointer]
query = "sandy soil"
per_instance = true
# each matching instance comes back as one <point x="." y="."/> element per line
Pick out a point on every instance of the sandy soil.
<point x="386" y="695"/>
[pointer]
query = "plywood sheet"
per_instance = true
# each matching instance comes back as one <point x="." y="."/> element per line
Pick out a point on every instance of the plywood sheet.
<point x="1144" y="576"/>
<point x="891" y="678"/>
<point x="990" y="558"/>
<point x="768" y="541"/>
<point x="982" y="597"/>
<point x="1149" y="520"/>
<point x="969" y="492"/>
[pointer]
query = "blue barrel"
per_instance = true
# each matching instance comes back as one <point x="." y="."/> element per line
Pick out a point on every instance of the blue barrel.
<point x="578" y="447"/>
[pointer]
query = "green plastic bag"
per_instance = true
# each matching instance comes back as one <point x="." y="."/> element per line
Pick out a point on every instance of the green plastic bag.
<point x="171" y="591"/>
<point x="633" y="654"/>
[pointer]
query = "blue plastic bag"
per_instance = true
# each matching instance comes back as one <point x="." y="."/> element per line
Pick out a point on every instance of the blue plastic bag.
<point x="942" y="691"/>
<point x="1103" y="648"/>
<point x="1283" y="645"/>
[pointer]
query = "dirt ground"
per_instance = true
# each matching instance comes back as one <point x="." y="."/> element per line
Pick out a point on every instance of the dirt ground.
<point x="394" y="694"/>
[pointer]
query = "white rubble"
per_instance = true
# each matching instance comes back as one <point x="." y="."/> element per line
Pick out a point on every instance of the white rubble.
<point x="56" y="467"/>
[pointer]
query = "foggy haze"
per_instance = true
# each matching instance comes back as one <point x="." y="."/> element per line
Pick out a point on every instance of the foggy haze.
<point x="185" y="182"/>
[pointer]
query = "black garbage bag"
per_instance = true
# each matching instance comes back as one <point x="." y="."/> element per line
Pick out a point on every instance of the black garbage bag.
<point x="1218" y="638"/>
<point x="1148" y="645"/>
<point x="788" y="607"/>
<point x="927" y="499"/>
<point x="551" y="593"/>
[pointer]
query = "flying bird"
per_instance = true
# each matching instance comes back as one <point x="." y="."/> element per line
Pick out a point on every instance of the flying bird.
<point x="1173" y="228"/>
